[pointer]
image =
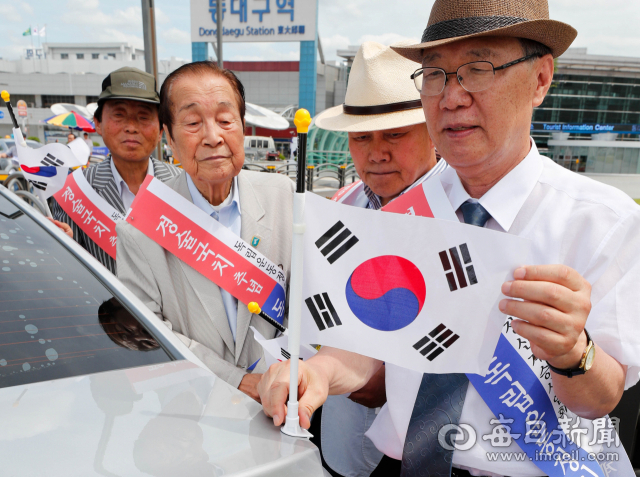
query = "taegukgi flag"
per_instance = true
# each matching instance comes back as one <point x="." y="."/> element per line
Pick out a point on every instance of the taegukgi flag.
<point x="47" y="167"/>
<point x="417" y="292"/>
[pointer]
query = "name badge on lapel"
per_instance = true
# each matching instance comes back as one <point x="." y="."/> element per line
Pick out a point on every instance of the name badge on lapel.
<point x="255" y="241"/>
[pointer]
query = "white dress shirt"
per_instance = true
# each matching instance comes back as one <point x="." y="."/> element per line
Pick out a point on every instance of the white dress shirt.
<point x="572" y="220"/>
<point x="344" y="422"/>
<point x="228" y="214"/>
<point x="123" y="189"/>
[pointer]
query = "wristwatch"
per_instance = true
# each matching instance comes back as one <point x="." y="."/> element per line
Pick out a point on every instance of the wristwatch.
<point x="588" y="356"/>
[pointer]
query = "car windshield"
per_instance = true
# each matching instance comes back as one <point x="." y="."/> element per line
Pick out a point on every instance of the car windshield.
<point x="56" y="319"/>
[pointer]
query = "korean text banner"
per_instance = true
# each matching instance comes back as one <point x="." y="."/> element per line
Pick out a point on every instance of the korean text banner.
<point x="255" y="20"/>
<point x="417" y="292"/>
<point x="210" y="248"/>
<point x="94" y="215"/>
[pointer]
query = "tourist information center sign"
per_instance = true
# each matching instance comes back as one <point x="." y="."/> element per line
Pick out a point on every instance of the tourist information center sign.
<point x="255" y="20"/>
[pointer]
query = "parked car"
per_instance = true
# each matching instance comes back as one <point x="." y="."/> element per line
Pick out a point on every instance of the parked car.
<point x="7" y="166"/>
<point x="258" y="147"/>
<point x="93" y="383"/>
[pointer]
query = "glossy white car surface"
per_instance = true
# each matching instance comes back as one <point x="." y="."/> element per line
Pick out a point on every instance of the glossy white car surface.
<point x="168" y="417"/>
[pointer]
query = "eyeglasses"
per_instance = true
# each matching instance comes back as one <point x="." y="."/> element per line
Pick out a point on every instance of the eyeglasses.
<point x="473" y="77"/>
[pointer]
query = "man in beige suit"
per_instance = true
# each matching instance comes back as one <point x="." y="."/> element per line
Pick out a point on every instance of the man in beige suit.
<point x="202" y="111"/>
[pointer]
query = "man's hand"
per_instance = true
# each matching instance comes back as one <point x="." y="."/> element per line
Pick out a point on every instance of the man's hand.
<point x="373" y="394"/>
<point x="557" y="302"/>
<point x="249" y="385"/>
<point x="64" y="227"/>
<point x="313" y="389"/>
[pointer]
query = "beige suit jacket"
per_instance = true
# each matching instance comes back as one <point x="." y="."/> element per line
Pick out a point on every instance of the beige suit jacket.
<point x="190" y="304"/>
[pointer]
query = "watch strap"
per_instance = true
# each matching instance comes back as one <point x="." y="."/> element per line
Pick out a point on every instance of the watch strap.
<point x="570" y="373"/>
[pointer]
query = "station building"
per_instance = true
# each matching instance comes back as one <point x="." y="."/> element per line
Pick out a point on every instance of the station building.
<point x="589" y="121"/>
<point x="73" y="73"/>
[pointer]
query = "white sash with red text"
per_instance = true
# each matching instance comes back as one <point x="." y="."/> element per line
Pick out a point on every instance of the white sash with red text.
<point x="203" y="243"/>
<point x="94" y="215"/>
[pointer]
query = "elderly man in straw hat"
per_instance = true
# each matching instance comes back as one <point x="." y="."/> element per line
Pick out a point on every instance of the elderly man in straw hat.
<point x="571" y="342"/>
<point x="392" y="151"/>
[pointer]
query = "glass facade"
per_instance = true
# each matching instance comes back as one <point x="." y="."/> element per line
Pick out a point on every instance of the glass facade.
<point x="591" y="95"/>
<point x="327" y="146"/>
<point x="606" y="160"/>
<point x="49" y="99"/>
<point x="591" y="99"/>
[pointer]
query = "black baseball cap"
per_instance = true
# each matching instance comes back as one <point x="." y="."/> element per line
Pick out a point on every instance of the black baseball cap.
<point x="129" y="83"/>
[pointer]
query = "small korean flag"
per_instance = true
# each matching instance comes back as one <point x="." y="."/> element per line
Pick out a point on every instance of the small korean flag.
<point x="375" y="284"/>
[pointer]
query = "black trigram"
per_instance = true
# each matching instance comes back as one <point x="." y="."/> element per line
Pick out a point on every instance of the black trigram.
<point x="285" y="354"/>
<point x="439" y="339"/>
<point x="51" y="160"/>
<point x="340" y="240"/>
<point x="452" y="256"/>
<point x="39" y="185"/>
<point x="323" y="312"/>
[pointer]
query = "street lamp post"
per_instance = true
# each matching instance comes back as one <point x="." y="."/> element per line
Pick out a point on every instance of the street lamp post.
<point x="150" y="47"/>
<point x="219" y="32"/>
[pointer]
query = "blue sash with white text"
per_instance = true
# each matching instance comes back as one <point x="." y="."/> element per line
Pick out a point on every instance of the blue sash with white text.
<point x="516" y="396"/>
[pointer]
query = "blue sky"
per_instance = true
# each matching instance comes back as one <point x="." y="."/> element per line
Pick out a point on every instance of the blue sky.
<point x="605" y="26"/>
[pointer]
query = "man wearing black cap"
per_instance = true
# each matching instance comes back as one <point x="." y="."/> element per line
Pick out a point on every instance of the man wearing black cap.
<point x="127" y="120"/>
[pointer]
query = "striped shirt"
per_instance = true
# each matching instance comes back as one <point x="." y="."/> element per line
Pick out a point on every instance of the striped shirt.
<point x="100" y="177"/>
<point x="374" y="200"/>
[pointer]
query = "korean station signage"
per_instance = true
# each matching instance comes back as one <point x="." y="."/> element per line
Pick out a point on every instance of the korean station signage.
<point x="586" y="128"/>
<point x="255" y="20"/>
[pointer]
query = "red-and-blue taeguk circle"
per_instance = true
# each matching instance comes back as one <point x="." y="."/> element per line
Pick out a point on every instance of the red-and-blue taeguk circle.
<point x="386" y="293"/>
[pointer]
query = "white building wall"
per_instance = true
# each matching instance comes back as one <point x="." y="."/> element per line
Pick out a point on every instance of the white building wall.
<point x="271" y="89"/>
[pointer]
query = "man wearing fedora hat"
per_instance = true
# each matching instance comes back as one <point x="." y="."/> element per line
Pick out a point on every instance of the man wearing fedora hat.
<point x="484" y="66"/>
<point x="388" y="139"/>
<point x="392" y="152"/>
<point x="127" y="120"/>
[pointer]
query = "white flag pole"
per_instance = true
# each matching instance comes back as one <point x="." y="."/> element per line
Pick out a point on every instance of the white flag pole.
<point x="292" y="423"/>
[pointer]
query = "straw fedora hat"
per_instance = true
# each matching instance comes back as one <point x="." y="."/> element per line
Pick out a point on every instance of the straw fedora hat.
<point x="379" y="95"/>
<point x="454" y="20"/>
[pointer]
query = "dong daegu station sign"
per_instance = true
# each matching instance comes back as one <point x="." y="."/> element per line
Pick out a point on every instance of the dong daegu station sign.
<point x="255" y="20"/>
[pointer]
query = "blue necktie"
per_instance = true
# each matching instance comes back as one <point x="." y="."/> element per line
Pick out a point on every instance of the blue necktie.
<point x="474" y="213"/>
<point x="439" y="402"/>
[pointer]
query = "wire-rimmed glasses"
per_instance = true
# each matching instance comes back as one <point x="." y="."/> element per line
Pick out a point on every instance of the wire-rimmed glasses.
<point x="473" y="77"/>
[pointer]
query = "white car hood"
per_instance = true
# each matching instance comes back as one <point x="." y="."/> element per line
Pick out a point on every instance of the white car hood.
<point x="163" y="420"/>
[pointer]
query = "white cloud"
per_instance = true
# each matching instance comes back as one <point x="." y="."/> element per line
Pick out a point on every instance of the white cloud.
<point x="90" y="15"/>
<point x="28" y="9"/>
<point x="387" y="38"/>
<point x="176" y="36"/>
<point x="10" y="13"/>
<point x="334" y="42"/>
<point x="111" y="35"/>
<point x="162" y="18"/>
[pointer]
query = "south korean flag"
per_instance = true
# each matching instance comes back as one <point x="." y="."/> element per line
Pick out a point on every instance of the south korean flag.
<point x="375" y="284"/>
<point x="46" y="168"/>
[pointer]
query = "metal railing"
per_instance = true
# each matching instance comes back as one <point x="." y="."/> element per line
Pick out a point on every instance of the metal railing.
<point x="20" y="186"/>
<point x="328" y="175"/>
